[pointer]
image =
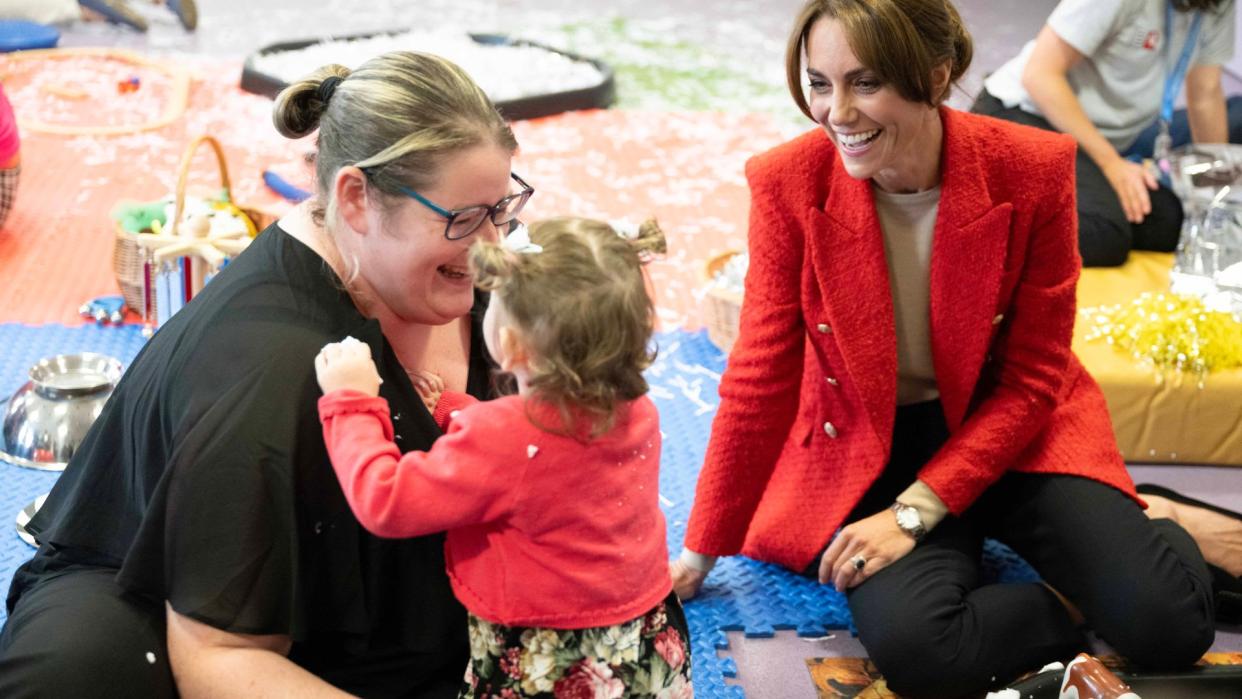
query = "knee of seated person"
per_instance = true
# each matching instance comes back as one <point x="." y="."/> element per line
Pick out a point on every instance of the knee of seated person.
<point x="1163" y="226"/>
<point x="141" y="671"/>
<point x="1233" y="107"/>
<point x="111" y="650"/>
<point x="1103" y="240"/>
<point x="1166" y="636"/>
<point x="919" y="678"/>
<point x="38" y="666"/>
<point x="915" y="667"/>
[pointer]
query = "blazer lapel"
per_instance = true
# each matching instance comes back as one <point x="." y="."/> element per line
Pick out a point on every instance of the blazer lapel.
<point x="968" y="258"/>
<point x="849" y="263"/>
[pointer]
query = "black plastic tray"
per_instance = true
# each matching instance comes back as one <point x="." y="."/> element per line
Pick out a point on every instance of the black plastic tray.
<point x="597" y="96"/>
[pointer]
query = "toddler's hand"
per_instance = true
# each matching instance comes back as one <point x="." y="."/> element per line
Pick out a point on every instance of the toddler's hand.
<point x="347" y="365"/>
<point x="429" y="386"/>
<point x="686" y="580"/>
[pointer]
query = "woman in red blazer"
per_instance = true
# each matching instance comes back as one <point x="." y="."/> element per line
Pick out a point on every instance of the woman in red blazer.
<point x="903" y="374"/>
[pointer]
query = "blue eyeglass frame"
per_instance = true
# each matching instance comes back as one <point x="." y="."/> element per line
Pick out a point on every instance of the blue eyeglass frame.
<point x="492" y="211"/>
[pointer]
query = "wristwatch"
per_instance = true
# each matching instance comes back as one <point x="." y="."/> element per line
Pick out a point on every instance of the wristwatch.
<point x="909" y="520"/>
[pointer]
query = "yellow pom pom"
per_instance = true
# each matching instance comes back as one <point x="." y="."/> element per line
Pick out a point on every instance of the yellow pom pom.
<point x="1170" y="332"/>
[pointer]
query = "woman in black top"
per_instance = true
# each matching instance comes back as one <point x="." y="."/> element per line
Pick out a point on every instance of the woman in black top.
<point x="204" y="488"/>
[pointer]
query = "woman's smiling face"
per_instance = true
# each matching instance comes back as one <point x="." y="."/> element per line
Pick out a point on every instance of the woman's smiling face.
<point x="879" y="134"/>
<point x="407" y="263"/>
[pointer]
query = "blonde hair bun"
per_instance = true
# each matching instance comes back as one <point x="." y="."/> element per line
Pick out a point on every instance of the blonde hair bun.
<point x="299" y="107"/>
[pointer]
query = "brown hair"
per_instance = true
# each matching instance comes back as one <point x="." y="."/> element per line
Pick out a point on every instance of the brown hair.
<point x="903" y="41"/>
<point x="582" y="310"/>
<point x="397" y="116"/>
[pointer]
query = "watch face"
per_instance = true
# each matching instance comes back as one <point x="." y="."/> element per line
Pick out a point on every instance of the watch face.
<point x="908" y="518"/>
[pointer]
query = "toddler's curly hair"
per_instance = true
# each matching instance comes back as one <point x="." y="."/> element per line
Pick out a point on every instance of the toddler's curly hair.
<point x="583" y="312"/>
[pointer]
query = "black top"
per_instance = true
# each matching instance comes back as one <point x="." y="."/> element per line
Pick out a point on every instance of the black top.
<point x="205" y="482"/>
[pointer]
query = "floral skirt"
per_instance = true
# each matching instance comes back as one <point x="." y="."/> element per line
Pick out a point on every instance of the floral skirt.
<point x="647" y="657"/>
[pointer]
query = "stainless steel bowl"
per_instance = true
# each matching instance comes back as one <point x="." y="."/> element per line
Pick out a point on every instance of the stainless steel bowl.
<point x="47" y="418"/>
<point x="23" y="518"/>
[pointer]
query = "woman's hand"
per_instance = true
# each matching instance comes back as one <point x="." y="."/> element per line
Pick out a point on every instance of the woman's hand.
<point x="429" y="386"/>
<point x="877" y="539"/>
<point x="347" y="365"/>
<point x="1131" y="181"/>
<point x="686" y="580"/>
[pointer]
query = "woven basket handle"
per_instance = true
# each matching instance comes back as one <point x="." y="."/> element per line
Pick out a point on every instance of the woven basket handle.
<point x="183" y="176"/>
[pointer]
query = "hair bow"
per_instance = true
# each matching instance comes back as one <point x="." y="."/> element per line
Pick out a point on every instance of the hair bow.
<point x="518" y="241"/>
<point x="625" y="229"/>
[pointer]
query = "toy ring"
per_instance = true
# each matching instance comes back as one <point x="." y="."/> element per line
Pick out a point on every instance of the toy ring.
<point x="177" y="100"/>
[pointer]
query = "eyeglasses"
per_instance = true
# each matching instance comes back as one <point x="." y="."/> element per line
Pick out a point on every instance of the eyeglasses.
<point x="465" y="221"/>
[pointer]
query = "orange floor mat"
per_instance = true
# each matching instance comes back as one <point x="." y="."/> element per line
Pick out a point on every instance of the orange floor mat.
<point x="55" y="250"/>
<point x="56" y="247"/>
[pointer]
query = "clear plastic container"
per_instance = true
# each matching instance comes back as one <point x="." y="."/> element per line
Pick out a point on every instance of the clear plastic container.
<point x="1208" y="263"/>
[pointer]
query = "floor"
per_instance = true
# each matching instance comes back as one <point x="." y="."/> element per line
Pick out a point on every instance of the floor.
<point x="740" y="38"/>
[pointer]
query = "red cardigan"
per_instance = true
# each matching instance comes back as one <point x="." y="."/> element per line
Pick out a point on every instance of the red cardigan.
<point x="808" y="399"/>
<point x="543" y="530"/>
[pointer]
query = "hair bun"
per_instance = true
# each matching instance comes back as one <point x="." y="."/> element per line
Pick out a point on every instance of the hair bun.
<point x="650" y="240"/>
<point x="299" y="107"/>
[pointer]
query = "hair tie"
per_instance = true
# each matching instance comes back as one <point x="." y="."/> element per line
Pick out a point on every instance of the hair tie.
<point x="327" y="87"/>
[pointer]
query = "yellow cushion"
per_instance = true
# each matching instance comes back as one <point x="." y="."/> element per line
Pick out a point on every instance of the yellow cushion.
<point x="1169" y="421"/>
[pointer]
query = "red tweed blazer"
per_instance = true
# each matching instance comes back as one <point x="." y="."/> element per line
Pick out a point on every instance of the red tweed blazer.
<point x="808" y="400"/>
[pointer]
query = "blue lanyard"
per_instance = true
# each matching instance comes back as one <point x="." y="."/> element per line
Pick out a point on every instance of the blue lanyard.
<point x="1174" y="82"/>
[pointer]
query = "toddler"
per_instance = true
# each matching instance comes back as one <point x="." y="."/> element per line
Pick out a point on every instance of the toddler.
<point x="555" y="540"/>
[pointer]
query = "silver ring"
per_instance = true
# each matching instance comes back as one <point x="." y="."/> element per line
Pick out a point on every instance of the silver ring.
<point x="859" y="562"/>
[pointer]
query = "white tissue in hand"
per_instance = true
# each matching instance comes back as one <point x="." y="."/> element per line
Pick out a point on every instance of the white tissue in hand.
<point x="351" y="341"/>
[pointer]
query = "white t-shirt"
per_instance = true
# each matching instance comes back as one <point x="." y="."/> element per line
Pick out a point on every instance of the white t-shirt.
<point x="1120" y="80"/>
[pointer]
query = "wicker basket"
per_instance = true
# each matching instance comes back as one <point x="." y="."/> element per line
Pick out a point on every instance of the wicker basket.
<point x="128" y="256"/>
<point x="723" y="305"/>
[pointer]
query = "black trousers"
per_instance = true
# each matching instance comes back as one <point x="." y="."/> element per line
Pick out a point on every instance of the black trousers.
<point x="1105" y="237"/>
<point x="79" y="634"/>
<point x="935" y="631"/>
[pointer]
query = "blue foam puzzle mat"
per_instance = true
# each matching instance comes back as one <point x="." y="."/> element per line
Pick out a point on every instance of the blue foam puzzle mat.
<point x="755" y="598"/>
<point x="21" y="346"/>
